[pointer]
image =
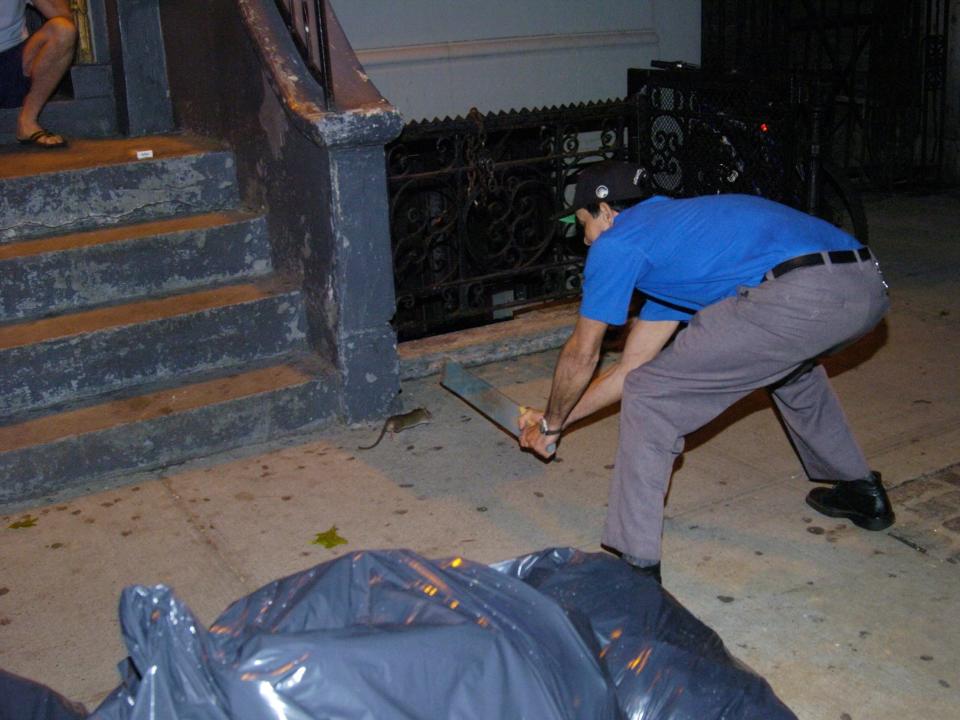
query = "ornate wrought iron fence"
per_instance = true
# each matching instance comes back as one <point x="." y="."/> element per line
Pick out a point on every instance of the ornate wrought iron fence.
<point x="473" y="205"/>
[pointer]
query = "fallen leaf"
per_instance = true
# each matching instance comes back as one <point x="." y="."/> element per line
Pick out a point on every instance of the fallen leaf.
<point x="24" y="522"/>
<point x="329" y="538"/>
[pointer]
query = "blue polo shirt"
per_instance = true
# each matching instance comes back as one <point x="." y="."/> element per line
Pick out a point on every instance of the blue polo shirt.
<point x="686" y="254"/>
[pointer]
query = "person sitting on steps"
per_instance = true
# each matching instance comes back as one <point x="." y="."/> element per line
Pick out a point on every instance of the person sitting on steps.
<point x="32" y="65"/>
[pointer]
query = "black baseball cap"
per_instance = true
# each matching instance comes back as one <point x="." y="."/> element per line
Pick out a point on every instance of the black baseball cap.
<point x="608" y="181"/>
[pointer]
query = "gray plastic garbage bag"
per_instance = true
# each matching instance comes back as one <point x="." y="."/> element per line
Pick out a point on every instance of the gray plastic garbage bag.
<point x="22" y="699"/>
<point x="665" y="663"/>
<point x="369" y="636"/>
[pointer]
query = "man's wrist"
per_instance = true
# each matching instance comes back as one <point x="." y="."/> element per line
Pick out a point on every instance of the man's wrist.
<point x="545" y="428"/>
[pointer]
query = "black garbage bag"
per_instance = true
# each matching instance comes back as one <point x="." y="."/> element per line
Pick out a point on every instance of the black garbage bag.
<point x="22" y="699"/>
<point x="368" y="636"/>
<point x="665" y="663"/>
<point x="382" y="635"/>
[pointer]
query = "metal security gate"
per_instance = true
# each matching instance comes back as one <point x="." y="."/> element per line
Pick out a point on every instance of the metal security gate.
<point x="473" y="202"/>
<point x="884" y="60"/>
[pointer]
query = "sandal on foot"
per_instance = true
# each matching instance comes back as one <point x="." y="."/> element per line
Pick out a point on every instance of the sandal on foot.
<point x="36" y="140"/>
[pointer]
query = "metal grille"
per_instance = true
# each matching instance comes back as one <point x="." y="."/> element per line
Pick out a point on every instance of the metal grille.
<point x="473" y="205"/>
<point x="701" y="136"/>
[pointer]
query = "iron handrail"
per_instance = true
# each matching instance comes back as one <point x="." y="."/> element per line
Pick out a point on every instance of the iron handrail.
<point x="307" y="22"/>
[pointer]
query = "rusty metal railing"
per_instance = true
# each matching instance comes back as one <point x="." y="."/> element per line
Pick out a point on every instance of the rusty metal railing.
<point x="307" y="21"/>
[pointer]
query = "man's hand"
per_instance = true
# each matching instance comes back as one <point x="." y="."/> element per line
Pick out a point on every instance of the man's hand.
<point x="528" y="416"/>
<point x="532" y="439"/>
<point x="575" y="366"/>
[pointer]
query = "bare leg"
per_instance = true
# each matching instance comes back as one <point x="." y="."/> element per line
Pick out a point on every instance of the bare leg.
<point x="46" y="57"/>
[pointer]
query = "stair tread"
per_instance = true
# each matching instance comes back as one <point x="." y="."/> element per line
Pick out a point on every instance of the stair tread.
<point x="151" y="405"/>
<point x="84" y="153"/>
<point x="120" y="233"/>
<point x="71" y="324"/>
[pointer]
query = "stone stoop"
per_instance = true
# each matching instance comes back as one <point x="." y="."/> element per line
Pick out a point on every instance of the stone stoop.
<point x="140" y="322"/>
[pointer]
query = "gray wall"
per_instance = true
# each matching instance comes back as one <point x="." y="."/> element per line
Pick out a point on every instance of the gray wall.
<point x="432" y="58"/>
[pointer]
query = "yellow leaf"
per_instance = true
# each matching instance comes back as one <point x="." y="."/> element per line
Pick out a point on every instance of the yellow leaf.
<point x="24" y="522"/>
<point x="329" y="538"/>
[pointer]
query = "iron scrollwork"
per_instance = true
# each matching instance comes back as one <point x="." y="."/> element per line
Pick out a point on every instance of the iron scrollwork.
<point x="701" y="137"/>
<point x="473" y="206"/>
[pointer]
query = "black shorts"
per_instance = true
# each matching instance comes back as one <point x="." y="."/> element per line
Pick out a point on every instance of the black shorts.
<point x="14" y="85"/>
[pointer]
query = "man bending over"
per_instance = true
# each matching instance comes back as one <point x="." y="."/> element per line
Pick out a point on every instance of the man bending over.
<point x="764" y="289"/>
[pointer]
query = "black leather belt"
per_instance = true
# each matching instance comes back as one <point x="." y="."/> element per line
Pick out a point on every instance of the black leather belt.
<point x="834" y="256"/>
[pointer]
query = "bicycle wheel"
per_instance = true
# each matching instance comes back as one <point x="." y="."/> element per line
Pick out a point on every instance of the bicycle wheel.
<point x="838" y="203"/>
<point x="841" y="204"/>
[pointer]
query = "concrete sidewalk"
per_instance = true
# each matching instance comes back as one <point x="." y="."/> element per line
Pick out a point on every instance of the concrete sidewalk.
<point x="845" y="624"/>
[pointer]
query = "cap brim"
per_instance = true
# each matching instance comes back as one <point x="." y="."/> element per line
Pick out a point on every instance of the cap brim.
<point x="567" y="215"/>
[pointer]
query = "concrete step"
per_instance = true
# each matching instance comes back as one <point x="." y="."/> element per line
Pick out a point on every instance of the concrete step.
<point x="71" y="449"/>
<point x="76" y="355"/>
<point x="529" y="332"/>
<point x="99" y="183"/>
<point x="53" y="274"/>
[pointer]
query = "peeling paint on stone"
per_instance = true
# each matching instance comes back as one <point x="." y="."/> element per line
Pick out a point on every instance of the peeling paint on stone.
<point x="32" y="206"/>
<point x="295" y="331"/>
<point x="88" y="364"/>
<point x="108" y="272"/>
<point x="272" y="122"/>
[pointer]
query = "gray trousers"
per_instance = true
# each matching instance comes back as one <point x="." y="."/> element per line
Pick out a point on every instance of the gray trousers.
<point x="753" y="340"/>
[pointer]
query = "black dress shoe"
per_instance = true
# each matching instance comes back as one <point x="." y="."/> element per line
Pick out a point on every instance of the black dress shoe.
<point x="650" y="571"/>
<point x="863" y="502"/>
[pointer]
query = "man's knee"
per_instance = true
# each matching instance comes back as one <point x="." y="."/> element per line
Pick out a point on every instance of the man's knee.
<point x="62" y="31"/>
<point x="640" y="384"/>
<point x="640" y="395"/>
<point x="649" y="410"/>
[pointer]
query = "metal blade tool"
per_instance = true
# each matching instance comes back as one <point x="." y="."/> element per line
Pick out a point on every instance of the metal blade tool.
<point x="484" y="397"/>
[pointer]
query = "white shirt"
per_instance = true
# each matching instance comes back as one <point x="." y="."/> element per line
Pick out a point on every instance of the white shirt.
<point x="13" y="26"/>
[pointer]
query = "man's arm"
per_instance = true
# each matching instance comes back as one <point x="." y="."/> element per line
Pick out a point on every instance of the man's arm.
<point x="645" y="340"/>
<point x="575" y="367"/>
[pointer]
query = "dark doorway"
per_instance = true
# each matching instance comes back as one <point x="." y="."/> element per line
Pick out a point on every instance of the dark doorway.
<point x="884" y="61"/>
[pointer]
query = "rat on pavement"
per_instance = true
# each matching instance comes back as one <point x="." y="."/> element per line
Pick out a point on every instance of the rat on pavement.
<point x="399" y="422"/>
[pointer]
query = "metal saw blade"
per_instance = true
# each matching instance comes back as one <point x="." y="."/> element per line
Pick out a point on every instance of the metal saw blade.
<point x="482" y="396"/>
